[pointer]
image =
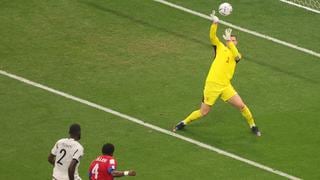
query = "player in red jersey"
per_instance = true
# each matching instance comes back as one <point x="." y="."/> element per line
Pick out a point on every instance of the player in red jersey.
<point x="104" y="166"/>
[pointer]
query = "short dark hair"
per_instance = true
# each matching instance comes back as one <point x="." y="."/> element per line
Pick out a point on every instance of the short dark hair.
<point x="108" y="149"/>
<point x="74" y="129"/>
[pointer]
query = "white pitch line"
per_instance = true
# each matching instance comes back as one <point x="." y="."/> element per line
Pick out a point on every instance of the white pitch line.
<point x="300" y="6"/>
<point x="141" y="122"/>
<point x="308" y="51"/>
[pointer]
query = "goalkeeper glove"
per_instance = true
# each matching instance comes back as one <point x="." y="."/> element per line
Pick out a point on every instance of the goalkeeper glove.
<point x="227" y="34"/>
<point x="214" y="18"/>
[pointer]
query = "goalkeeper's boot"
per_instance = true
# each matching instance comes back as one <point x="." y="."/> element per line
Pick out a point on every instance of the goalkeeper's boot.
<point x="179" y="126"/>
<point x="255" y="131"/>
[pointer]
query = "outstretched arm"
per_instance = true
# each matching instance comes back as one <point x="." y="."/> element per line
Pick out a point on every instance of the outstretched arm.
<point x="116" y="173"/>
<point x="213" y="29"/>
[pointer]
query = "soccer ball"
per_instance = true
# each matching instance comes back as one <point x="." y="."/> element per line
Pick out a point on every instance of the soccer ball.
<point x="225" y="9"/>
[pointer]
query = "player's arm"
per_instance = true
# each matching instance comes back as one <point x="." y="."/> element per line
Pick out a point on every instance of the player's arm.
<point x="51" y="158"/>
<point x="72" y="169"/>
<point x="53" y="153"/>
<point x="75" y="160"/>
<point x="213" y="29"/>
<point x="231" y="45"/>
<point x="116" y="173"/>
<point x="234" y="50"/>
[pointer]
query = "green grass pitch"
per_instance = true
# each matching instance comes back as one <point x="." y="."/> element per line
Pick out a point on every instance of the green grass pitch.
<point x="150" y="61"/>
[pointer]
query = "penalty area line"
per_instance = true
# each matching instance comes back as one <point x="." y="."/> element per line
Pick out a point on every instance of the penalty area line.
<point x="148" y="125"/>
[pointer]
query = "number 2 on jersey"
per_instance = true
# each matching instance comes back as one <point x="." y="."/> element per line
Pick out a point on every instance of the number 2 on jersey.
<point x="64" y="153"/>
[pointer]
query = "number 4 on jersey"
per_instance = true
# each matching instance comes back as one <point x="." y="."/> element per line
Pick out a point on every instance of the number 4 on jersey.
<point x="95" y="171"/>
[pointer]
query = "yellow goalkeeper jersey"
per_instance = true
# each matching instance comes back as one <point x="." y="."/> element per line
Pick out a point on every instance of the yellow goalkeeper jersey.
<point x="224" y="63"/>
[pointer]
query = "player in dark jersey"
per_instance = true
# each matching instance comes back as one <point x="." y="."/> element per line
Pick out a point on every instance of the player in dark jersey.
<point x="104" y="166"/>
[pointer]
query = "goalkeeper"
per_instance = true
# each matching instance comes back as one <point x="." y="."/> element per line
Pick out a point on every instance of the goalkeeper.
<point x="218" y="79"/>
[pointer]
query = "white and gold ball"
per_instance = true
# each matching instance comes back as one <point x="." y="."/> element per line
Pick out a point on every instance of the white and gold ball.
<point x="225" y="9"/>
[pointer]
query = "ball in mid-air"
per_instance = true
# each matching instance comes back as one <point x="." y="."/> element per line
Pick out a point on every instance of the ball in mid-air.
<point x="225" y="9"/>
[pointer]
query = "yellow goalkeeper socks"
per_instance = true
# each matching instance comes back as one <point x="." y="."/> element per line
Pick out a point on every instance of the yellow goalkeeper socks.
<point x="247" y="114"/>
<point x="193" y="116"/>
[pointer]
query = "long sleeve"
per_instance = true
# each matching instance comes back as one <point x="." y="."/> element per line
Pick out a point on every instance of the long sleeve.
<point x="234" y="50"/>
<point x="213" y="34"/>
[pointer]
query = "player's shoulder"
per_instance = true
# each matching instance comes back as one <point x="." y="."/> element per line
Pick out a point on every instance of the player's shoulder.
<point x="107" y="157"/>
<point x="111" y="159"/>
<point x="104" y="159"/>
<point x="70" y="141"/>
<point x="77" y="143"/>
<point x="62" y="140"/>
<point x="220" y="43"/>
<point x="78" y="147"/>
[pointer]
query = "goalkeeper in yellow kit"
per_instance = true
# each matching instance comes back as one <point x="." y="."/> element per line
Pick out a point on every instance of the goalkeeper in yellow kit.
<point x="218" y="80"/>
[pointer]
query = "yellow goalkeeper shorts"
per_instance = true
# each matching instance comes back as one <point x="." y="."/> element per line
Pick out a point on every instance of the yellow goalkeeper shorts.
<point x="213" y="90"/>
